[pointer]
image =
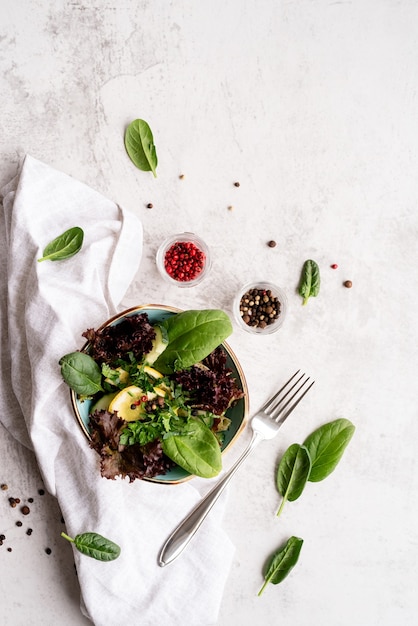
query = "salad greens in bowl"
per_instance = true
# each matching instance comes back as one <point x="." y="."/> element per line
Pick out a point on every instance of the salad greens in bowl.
<point x="158" y="393"/>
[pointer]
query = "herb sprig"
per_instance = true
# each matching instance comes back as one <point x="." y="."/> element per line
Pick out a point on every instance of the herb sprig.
<point x="310" y="281"/>
<point x="293" y="472"/>
<point x="282" y="562"/>
<point x="95" y="546"/>
<point x="81" y="373"/>
<point x="64" y="246"/>
<point x="139" y="144"/>
<point x="314" y="460"/>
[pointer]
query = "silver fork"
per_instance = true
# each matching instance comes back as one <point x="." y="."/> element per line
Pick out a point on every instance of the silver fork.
<point x="265" y="425"/>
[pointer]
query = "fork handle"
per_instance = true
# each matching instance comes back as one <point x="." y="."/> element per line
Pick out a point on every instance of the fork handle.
<point x="184" y="532"/>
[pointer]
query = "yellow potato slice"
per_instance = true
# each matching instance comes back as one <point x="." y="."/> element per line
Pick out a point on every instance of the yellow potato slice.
<point x="152" y="372"/>
<point x="129" y="403"/>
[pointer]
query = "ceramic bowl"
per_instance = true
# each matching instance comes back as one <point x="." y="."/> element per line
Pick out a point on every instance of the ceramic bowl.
<point x="237" y="414"/>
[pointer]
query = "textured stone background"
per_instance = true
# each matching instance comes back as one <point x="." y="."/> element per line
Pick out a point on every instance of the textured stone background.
<point x="312" y="106"/>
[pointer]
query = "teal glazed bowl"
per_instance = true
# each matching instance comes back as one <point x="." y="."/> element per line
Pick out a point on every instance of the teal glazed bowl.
<point x="237" y="414"/>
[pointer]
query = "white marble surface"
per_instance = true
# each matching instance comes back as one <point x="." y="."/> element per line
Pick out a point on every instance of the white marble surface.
<point x="312" y="107"/>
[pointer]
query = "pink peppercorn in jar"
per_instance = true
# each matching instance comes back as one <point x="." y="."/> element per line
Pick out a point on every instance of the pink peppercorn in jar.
<point x="183" y="260"/>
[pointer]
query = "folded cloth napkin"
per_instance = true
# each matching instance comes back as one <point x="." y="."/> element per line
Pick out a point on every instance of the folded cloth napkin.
<point x="48" y="306"/>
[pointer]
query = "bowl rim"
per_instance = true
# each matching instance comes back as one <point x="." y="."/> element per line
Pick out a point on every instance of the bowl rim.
<point x="224" y="344"/>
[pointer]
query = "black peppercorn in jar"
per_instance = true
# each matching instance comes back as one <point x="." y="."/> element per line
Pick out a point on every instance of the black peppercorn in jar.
<point x="260" y="307"/>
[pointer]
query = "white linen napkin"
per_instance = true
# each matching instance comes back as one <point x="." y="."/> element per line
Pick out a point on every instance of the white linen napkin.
<point x="48" y="306"/>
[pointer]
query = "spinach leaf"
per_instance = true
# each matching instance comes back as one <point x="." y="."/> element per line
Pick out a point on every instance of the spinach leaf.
<point x="94" y="545"/>
<point x="310" y="281"/>
<point x="326" y="446"/>
<point x="192" y="335"/>
<point x="282" y="562"/>
<point x="139" y="144"/>
<point x="64" y="246"/>
<point x="195" y="449"/>
<point x="81" y="372"/>
<point x="292" y="474"/>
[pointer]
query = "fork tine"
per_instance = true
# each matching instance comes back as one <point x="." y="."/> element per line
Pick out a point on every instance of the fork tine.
<point x="275" y="407"/>
<point x="280" y="418"/>
<point x="267" y="404"/>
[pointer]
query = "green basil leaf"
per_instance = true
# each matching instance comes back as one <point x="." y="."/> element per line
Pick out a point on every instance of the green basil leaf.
<point x="139" y="144"/>
<point x="310" y="280"/>
<point x="282" y="562"/>
<point x="64" y="246"/>
<point x="81" y="373"/>
<point x="326" y="446"/>
<point x="96" y="546"/>
<point x="192" y="335"/>
<point x="195" y="449"/>
<point x="293" y="473"/>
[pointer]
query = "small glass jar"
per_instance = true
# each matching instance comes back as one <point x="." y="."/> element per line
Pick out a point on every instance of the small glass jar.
<point x="260" y="307"/>
<point x="183" y="260"/>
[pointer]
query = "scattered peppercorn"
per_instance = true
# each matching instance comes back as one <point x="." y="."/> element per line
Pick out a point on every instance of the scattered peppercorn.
<point x="1" y="542"/>
<point x="236" y="184"/>
<point x="259" y="308"/>
<point x="149" y="205"/>
<point x="230" y="208"/>
<point x="41" y="492"/>
<point x="348" y="284"/>
<point x="17" y="500"/>
<point x="25" y="510"/>
<point x="12" y="502"/>
<point x="334" y="266"/>
<point x="184" y="261"/>
<point x="2" y="537"/>
<point x="272" y="244"/>
<point x="48" y="550"/>
<point x="19" y="523"/>
<point x="30" y="500"/>
<point x="29" y="531"/>
<point x="9" y="549"/>
<point x="4" y="487"/>
<point x="181" y="176"/>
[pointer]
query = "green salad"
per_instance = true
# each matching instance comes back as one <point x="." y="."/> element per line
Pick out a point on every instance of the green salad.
<point x="159" y="393"/>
